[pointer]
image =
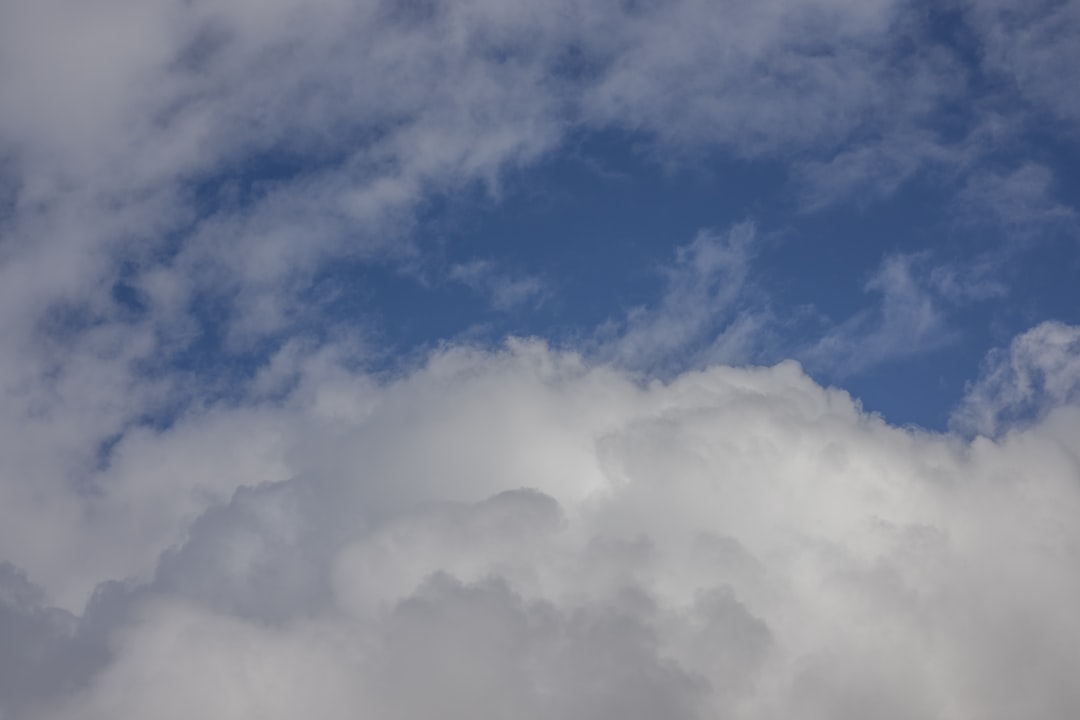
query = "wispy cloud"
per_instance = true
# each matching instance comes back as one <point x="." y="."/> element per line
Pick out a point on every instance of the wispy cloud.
<point x="503" y="290"/>
<point x="1021" y="200"/>
<point x="1029" y="45"/>
<point x="907" y="320"/>
<point x="697" y="303"/>
<point x="1038" y="372"/>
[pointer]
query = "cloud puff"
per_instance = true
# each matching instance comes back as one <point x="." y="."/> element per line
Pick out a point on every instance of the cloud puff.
<point x="523" y="533"/>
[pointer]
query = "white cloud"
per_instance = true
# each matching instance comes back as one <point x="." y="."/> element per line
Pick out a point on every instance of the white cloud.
<point x="378" y="106"/>
<point x="504" y="290"/>
<point x="751" y="76"/>
<point x="868" y="171"/>
<point x="1039" y="371"/>
<point x="1033" y="45"/>
<point x="1021" y="200"/>
<point x="697" y="317"/>
<point x="733" y="542"/>
<point x="222" y="153"/>
<point x="738" y="542"/>
<point x="715" y="308"/>
<point x="909" y="320"/>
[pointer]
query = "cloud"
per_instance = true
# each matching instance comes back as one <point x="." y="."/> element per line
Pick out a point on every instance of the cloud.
<point x="697" y="317"/>
<point x="752" y="77"/>
<point x="715" y="308"/>
<point x="176" y="176"/>
<point x="42" y="656"/>
<point x="1038" y="372"/>
<point x="521" y="532"/>
<point x="267" y="143"/>
<point x="1020" y="200"/>
<point x="504" y="291"/>
<point x="909" y="320"/>
<point x="868" y="171"/>
<point x="1028" y="44"/>
<point x="211" y="511"/>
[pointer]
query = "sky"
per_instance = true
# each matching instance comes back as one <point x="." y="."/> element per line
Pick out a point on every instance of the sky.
<point x="617" y="359"/>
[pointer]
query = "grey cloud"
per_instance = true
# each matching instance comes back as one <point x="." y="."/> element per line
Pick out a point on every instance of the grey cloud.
<point x="44" y="655"/>
<point x="260" y="556"/>
<point x="480" y="649"/>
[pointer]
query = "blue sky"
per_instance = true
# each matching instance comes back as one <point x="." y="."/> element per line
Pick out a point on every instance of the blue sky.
<point x="578" y="236"/>
<point x="585" y="360"/>
<point x="583" y="236"/>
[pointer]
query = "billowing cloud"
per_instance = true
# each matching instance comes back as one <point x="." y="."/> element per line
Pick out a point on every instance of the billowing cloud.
<point x="523" y="533"/>
<point x="175" y="176"/>
<point x="219" y="500"/>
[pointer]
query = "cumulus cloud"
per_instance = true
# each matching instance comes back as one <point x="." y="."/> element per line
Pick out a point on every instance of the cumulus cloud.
<point x="525" y="533"/>
<point x="176" y="175"/>
<point x="520" y="532"/>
